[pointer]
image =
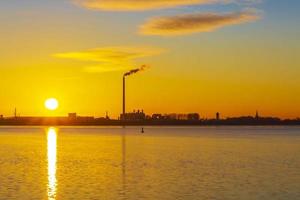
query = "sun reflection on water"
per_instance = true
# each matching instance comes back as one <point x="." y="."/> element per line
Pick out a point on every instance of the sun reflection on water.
<point x="52" y="153"/>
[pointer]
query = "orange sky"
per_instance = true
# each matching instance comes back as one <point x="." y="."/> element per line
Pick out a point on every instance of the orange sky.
<point x="206" y="57"/>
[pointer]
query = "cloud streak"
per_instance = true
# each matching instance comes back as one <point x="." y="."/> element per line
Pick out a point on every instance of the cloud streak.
<point x="110" y="58"/>
<point x="195" y="23"/>
<point x="136" y="5"/>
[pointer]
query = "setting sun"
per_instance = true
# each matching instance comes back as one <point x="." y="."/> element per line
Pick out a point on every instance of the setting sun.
<point x="51" y="104"/>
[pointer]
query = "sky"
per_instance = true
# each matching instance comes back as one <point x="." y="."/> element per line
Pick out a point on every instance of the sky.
<point x="205" y="56"/>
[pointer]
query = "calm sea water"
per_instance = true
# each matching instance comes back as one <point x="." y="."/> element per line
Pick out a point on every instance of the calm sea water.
<point x="163" y="163"/>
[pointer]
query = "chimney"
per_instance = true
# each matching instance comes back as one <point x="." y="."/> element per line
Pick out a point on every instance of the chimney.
<point x="124" y="111"/>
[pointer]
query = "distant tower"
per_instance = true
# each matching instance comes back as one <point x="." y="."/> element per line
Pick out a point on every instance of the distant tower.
<point x="124" y="98"/>
<point x="106" y="115"/>
<point x="15" y="113"/>
<point x="256" y="115"/>
<point x="217" y="116"/>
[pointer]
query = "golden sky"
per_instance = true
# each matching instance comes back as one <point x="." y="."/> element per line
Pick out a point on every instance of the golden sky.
<point x="205" y="56"/>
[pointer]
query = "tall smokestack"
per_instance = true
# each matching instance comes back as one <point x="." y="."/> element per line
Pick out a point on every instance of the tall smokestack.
<point x="133" y="71"/>
<point x="124" y="99"/>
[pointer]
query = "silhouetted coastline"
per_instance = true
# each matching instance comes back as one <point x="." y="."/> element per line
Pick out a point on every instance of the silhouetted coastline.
<point x="105" y="121"/>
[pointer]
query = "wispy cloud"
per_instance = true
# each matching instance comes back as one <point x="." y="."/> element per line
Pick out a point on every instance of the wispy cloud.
<point x="136" y="5"/>
<point x="110" y="58"/>
<point x="195" y="23"/>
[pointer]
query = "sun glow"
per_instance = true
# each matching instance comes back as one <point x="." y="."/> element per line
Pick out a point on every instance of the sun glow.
<point x="51" y="104"/>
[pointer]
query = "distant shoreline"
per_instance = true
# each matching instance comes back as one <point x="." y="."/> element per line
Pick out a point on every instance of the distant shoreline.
<point x="102" y="122"/>
<point x="42" y="125"/>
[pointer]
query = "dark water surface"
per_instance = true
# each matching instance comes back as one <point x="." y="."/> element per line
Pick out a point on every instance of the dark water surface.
<point x="62" y="163"/>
